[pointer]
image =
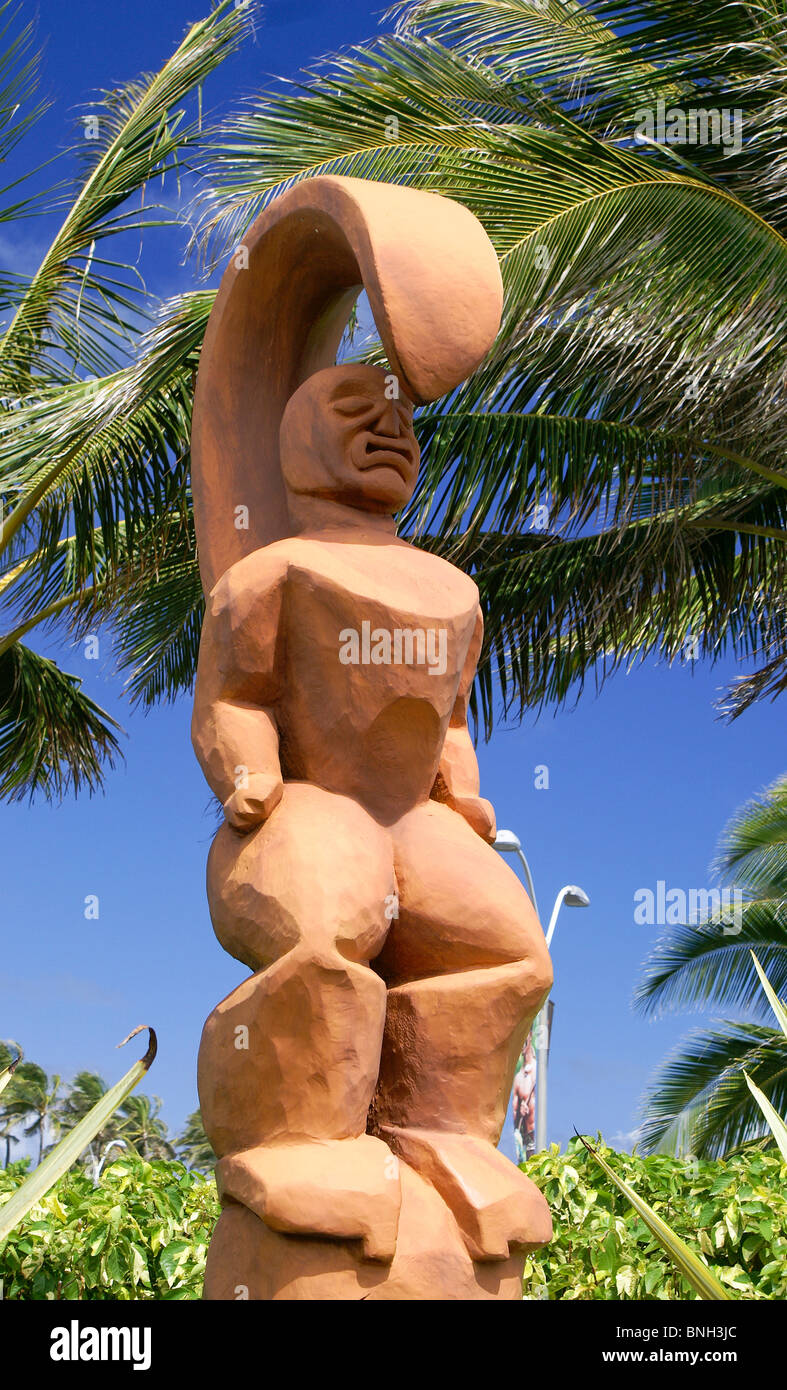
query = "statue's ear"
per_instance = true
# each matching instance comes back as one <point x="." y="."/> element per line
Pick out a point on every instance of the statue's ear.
<point x="435" y="291"/>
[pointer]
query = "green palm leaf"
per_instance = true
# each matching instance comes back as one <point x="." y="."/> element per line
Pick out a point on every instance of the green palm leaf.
<point x="75" y="303"/>
<point x="775" y="1003"/>
<point x="193" y="1145"/>
<point x="693" y="1269"/>
<point x="775" y="1123"/>
<point x="52" y="737"/>
<point x="702" y="1096"/>
<point x="6" y="1075"/>
<point x="754" y="844"/>
<point x="95" y="420"/>
<point x="60" y="1159"/>
<point x="159" y="627"/>
<point x="109" y="450"/>
<point x="698" y="1100"/>
<point x="638" y="375"/>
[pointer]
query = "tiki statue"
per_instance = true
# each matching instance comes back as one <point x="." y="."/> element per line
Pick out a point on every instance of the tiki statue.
<point x="355" y="1084"/>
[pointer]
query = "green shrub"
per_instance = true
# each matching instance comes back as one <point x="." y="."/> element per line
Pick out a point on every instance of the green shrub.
<point x="142" y="1233"/>
<point x="733" y="1212"/>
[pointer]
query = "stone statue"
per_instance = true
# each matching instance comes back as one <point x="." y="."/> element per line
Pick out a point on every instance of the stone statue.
<point x="355" y="1085"/>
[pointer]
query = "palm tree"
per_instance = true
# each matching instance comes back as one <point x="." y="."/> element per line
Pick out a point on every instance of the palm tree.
<point x="81" y="1096"/>
<point x="613" y="474"/>
<point x="8" y="1118"/>
<point x="699" y="1099"/>
<point x="194" y="1146"/>
<point x="95" y="388"/>
<point x="143" y="1129"/>
<point x="34" y="1097"/>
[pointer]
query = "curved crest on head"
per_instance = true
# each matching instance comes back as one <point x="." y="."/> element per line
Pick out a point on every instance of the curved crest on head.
<point x="434" y="287"/>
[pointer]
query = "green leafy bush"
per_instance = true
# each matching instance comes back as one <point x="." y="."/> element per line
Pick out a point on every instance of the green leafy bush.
<point x="733" y="1212"/>
<point x="143" y="1233"/>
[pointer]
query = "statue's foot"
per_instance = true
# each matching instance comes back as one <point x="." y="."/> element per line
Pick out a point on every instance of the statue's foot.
<point x="248" y="1260"/>
<point x="346" y="1188"/>
<point x="498" y="1209"/>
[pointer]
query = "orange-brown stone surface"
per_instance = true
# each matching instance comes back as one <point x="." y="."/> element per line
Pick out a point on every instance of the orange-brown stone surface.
<point x="355" y="1085"/>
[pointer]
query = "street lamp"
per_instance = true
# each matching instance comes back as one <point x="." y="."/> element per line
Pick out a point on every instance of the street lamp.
<point x="572" y="896"/>
<point x="509" y="843"/>
<point x="98" y="1165"/>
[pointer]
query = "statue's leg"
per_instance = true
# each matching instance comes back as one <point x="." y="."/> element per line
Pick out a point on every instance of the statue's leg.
<point x="467" y="969"/>
<point x="289" y="1060"/>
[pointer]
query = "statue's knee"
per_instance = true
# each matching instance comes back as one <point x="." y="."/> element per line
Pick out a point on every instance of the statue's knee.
<point x="326" y="972"/>
<point x="539" y="965"/>
<point x="530" y="975"/>
<point x="303" y="879"/>
<point x="250" y="923"/>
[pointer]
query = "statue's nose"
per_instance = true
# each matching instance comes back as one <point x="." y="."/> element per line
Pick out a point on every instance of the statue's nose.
<point x="389" y="419"/>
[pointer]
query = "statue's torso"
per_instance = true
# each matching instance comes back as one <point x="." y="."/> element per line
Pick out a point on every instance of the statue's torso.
<point x="374" y="638"/>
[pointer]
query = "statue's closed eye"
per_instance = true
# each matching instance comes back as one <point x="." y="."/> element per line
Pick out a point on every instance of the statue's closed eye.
<point x="359" y="405"/>
<point x="352" y="405"/>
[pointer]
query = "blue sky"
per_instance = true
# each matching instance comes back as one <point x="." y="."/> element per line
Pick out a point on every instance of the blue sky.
<point x="641" y="778"/>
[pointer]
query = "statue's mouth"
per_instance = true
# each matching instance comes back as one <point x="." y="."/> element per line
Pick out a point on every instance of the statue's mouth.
<point x="380" y="451"/>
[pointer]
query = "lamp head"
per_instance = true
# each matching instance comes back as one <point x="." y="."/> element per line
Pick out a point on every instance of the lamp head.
<point x="576" y="897"/>
<point x="507" y="842"/>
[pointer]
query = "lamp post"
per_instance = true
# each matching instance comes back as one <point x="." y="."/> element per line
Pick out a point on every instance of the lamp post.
<point x="99" y="1164"/>
<point x="572" y="896"/>
<point x="509" y="843"/>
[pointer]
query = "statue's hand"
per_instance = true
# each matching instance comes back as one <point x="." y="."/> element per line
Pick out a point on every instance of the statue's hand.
<point x="479" y="814"/>
<point x="251" y="804"/>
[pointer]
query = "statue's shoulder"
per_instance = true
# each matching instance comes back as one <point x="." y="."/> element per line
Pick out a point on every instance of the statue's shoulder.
<point x="254" y="576"/>
<point x="449" y="574"/>
<point x="391" y="558"/>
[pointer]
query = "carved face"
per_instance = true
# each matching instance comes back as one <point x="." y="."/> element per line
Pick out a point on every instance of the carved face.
<point x="342" y="438"/>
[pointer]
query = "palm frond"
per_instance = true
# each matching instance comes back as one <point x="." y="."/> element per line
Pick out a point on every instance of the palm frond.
<point x="639" y="373"/>
<point x="159" y="623"/>
<point x="767" y="683"/>
<point x="559" y="611"/>
<point x="754" y="844"/>
<point x="81" y="304"/>
<point x="105" y="450"/>
<point x="19" y="78"/>
<point x="52" y="737"/>
<point x="703" y="1090"/>
<point x="709" y="962"/>
<point x="699" y="1101"/>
